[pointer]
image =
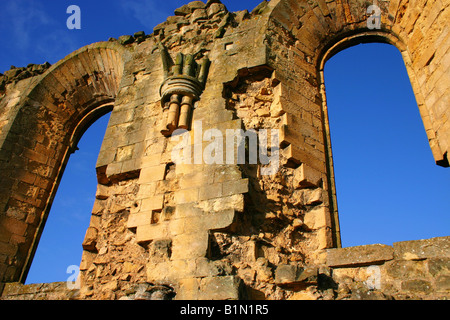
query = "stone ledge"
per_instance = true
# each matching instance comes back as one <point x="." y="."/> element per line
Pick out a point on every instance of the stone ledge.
<point x="422" y="249"/>
<point x="38" y="291"/>
<point x="289" y="275"/>
<point x="379" y="253"/>
<point x="359" y="256"/>
<point x="210" y="288"/>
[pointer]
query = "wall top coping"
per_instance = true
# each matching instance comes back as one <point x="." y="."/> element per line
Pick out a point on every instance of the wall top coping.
<point x="380" y="253"/>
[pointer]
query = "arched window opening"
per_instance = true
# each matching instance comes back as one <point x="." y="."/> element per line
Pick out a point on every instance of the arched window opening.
<point x="388" y="186"/>
<point x="69" y="217"/>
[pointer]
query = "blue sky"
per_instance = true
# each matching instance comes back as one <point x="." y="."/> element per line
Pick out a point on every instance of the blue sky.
<point x="389" y="188"/>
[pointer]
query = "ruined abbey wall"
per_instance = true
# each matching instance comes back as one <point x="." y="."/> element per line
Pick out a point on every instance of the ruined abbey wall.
<point x="201" y="227"/>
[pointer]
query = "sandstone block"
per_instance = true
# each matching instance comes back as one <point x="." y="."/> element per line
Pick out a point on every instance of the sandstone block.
<point x="443" y="283"/>
<point x="90" y="239"/>
<point x="187" y="195"/>
<point x="102" y="192"/>
<point x="305" y="295"/>
<point x="126" y="39"/>
<point x="325" y="238"/>
<point x="359" y="256"/>
<point x="190" y="246"/>
<point x="199" y="14"/>
<point x="437" y="266"/>
<point x="189" y="289"/>
<point x="317" y="218"/>
<point x="296" y="156"/>
<point x="215" y="8"/>
<point x="422" y="249"/>
<point x="187" y="210"/>
<point x="150" y="160"/>
<point x="160" y="250"/>
<point x="313" y="197"/>
<point x="417" y="286"/>
<point x="124" y="153"/>
<point x="276" y="107"/>
<point x="235" y="187"/>
<point x="210" y="191"/>
<point x="294" y="275"/>
<point x="151" y="174"/>
<point x="153" y="203"/>
<point x="220" y="288"/>
<point x="305" y="177"/>
<point x="147" y="233"/>
<point x="13" y="226"/>
<point x="405" y="269"/>
<point x="139" y="219"/>
<point x="194" y="5"/>
<point x="159" y="272"/>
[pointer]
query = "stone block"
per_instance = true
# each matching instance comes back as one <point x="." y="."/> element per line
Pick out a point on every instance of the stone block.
<point x="147" y="233"/>
<point x="442" y="283"/>
<point x="437" y="266"/>
<point x="90" y="239"/>
<point x="235" y="187"/>
<point x="160" y="250"/>
<point x="190" y="246"/>
<point x="189" y="289"/>
<point x="160" y="272"/>
<point x="324" y="238"/>
<point x="199" y="14"/>
<point x="139" y="219"/>
<point x="146" y="190"/>
<point x="113" y="169"/>
<point x="8" y="248"/>
<point x="423" y="249"/>
<point x="102" y="192"/>
<point x="313" y="197"/>
<point x="295" y="275"/>
<point x="405" y="269"/>
<point x="150" y="160"/>
<point x="151" y="174"/>
<point x="218" y="220"/>
<point x="210" y="191"/>
<point x="152" y="203"/>
<point x="124" y="153"/>
<point x="296" y="156"/>
<point x="187" y="210"/>
<point x="183" y="11"/>
<point x="285" y="274"/>
<point x="130" y="166"/>
<point x="86" y="260"/>
<point x="13" y="226"/>
<point x="305" y="295"/>
<point x="220" y="288"/>
<point x="317" y="218"/>
<point x="226" y="173"/>
<point x="215" y="8"/>
<point x="305" y="177"/>
<point x="187" y="195"/>
<point x="191" y="180"/>
<point x="417" y="286"/>
<point x="359" y="256"/>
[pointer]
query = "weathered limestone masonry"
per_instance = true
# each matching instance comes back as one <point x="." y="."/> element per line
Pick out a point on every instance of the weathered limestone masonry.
<point x="165" y="229"/>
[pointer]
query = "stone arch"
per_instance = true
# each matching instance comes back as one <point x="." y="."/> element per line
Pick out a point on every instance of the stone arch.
<point x="49" y="119"/>
<point x="305" y="34"/>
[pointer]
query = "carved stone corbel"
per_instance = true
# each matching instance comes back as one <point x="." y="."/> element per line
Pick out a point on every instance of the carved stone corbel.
<point x="184" y="82"/>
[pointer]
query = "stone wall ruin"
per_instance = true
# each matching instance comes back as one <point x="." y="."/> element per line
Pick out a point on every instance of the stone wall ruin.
<point x="166" y="230"/>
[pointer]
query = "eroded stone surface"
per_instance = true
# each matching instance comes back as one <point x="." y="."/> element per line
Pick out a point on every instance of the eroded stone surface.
<point x="162" y="229"/>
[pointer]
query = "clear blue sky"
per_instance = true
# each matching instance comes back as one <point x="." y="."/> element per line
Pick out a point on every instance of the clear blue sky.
<point x="389" y="188"/>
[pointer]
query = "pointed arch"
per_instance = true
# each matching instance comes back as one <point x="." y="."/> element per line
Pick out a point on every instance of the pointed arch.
<point x="48" y="121"/>
<point x="302" y="35"/>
